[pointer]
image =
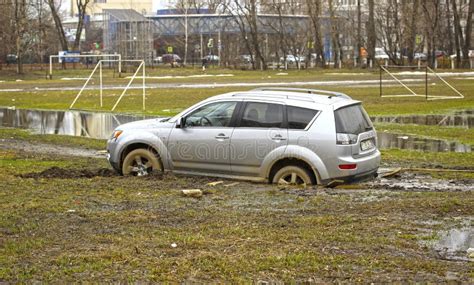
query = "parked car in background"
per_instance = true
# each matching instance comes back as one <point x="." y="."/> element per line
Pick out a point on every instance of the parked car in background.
<point x="244" y="58"/>
<point x="420" y="56"/>
<point x="11" y="58"/>
<point x="292" y="59"/>
<point x="158" y="59"/>
<point x="211" y="58"/>
<point x="380" y="54"/>
<point x="278" y="135"/>
<point x="471" y="54"/>
<point x="440" y="53"/>
<point x="172" y="59"/>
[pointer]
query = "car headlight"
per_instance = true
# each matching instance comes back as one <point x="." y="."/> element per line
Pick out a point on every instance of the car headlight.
<point x="116" y="134"/>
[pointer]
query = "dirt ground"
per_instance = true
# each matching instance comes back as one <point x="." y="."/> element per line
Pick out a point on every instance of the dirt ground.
<point x="68" y="217"/>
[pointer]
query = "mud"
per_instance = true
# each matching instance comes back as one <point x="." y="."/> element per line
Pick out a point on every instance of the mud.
<point x="64" y="173"/>
<point x="41" y="148"/>
<point x="418" y="182"/>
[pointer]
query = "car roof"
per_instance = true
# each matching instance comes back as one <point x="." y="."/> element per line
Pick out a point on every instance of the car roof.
<point x="292" y="94"/>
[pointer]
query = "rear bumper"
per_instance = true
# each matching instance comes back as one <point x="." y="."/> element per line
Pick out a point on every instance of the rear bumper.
<point x="352" y="178"/>
<point x="367" y="167"/>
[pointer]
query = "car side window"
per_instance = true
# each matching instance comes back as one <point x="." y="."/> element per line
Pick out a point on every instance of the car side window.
<point x="299" y="118"/>
<point x="262" y="115"/>
<point x="211" y="115"/>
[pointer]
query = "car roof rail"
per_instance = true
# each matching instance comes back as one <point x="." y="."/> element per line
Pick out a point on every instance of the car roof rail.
<point x="304" y="90"/>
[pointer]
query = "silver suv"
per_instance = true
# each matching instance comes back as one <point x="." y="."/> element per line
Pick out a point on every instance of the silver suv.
<point x="279" y="135"/>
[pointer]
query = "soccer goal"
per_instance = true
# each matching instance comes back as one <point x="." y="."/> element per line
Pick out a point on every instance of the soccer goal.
<point x="99" y="66"/>
<point x="416" y="82"/>
<point x="117" y="57"/>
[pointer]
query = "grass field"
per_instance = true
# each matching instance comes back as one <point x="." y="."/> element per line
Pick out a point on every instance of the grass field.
<point x="66" y="228"/>
<point x="70" y="219"/>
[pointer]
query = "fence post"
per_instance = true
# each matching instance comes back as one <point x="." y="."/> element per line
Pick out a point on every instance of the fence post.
<point x="426" y="82"/>
<point x="100" y="79"/>
<point x="380" y="69"/>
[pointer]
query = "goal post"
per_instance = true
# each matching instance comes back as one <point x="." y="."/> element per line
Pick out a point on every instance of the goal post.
<point x="426" y="72"/>
<point x="99" y="67"/>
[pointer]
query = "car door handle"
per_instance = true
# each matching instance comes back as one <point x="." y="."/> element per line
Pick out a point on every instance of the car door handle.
<point x="278" y="138"/>
<point x="222" y="137"/>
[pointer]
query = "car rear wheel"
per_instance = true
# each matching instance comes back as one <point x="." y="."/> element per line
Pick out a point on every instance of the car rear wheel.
<point x="292" y="175"/>
<point x="141" y="162"/>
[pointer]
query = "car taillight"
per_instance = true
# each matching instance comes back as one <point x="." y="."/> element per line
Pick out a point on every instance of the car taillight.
<point x="347" y="166"/>
<point x="346" y="139"/>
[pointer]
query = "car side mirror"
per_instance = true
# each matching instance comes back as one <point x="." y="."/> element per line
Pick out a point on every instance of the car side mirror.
<point x="180" y="124"/>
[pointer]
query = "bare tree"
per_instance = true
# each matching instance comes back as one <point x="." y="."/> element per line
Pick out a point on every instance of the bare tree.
<point x="81" y="9"/>
<point x="314" y="8"/>
<point x="336" y="44"/>
<point x="458" y="38"/>
<point x="409" y="22"/>
<point x="431" y="13"/>
<point x="6" y="30"/>
<point x="245" y="15"/>
<point x="55" y="6"/>
<point x="371" y="34"/>
<point x="20" y="30"/>
<point x="468" y="30"/>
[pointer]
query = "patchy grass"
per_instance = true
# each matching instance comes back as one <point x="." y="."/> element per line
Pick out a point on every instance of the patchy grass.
<point x="413" y="158"/>
<point x="118" y="229"/>
<point x="462" y="135"/>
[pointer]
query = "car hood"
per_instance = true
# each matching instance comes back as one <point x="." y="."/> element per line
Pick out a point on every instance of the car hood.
<point x="146" y="124"/>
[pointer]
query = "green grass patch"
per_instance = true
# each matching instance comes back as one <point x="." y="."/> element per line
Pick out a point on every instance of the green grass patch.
<point x="462" y="135"/>
<point x="415" y="158"/>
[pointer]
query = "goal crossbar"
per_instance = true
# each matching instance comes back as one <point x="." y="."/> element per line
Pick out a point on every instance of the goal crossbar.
<point x="117" y="56"/>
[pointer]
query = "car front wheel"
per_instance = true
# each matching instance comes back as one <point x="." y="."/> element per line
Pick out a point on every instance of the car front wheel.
<point x="141" y="162"/>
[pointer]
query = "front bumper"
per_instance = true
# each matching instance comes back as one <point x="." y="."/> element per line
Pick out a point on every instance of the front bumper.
<point x="112" y="155"/>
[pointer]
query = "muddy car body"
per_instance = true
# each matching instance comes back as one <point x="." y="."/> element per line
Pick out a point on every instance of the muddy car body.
<point x="269" y="134"/>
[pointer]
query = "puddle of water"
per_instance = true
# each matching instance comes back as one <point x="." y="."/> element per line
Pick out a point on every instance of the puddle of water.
<point x="74" y="123"/>
<point x="464" y="119"/>
<point x="456" y="244"/>
<point x="388" y="141"/>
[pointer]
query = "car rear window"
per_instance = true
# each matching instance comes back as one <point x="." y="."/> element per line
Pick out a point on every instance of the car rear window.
<point x="352" y="120"/>
<point x="299" y="118"/>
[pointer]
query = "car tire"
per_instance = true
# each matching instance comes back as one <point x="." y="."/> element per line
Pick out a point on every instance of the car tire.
<point x="141" y="162"/>
<point x="292" y="175"/>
